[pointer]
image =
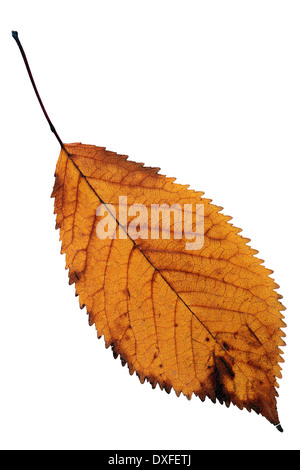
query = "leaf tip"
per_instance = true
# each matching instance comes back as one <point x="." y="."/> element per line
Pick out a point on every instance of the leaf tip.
<point x="279" y="428"/>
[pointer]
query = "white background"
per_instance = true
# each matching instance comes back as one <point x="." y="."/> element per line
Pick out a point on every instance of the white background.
<point x="210" y="92"/>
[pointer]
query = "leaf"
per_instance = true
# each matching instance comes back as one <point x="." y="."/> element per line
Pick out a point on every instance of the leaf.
<point x="205" y="322"/>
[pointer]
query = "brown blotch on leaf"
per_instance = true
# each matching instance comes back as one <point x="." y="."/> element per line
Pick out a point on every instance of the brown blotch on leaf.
<point x="220" y="370"/>
<point x="74" y="277"/>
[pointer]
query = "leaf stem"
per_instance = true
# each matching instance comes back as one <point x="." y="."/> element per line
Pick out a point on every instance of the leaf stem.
<point x="16" y="37"/>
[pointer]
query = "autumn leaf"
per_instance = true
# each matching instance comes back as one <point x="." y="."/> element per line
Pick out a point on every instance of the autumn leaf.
<point x="204" y="321"/>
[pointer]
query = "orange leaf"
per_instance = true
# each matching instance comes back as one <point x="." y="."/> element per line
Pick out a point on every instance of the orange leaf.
<point x="204" y="321"/>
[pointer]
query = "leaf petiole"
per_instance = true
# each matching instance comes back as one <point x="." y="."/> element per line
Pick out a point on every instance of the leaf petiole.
<point x="15" y="35"/>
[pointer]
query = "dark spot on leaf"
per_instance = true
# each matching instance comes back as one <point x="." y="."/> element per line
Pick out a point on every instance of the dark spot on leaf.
<point x="73" y="277"/>
<point x="228" y="369"/>
<point x="221" y="371"/>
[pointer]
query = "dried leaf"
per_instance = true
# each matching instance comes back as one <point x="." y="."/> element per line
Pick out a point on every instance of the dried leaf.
<point x="205" y="322"/>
